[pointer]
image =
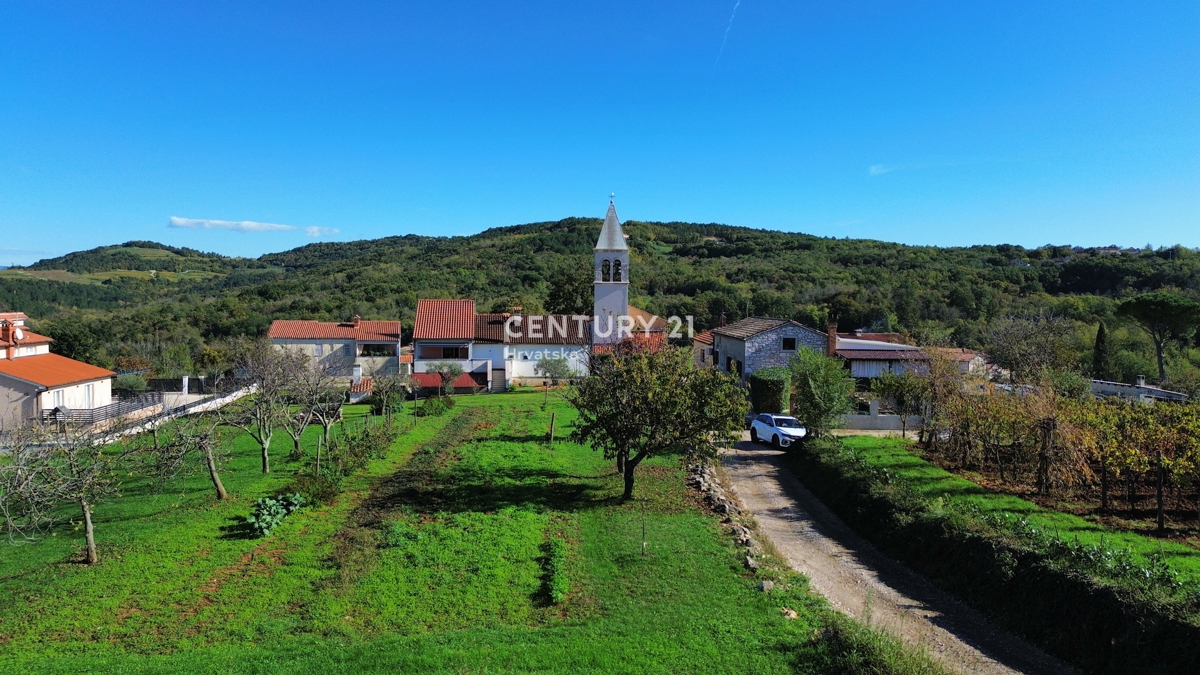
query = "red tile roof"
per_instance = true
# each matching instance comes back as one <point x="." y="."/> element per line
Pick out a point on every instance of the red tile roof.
<point x="362" y="386"/>
<point x="645" y="322"/>
<point x="464" y="381"/>
<point x="445" y="320"/>
<point x="704" y="338"/>
<point x="52" y="370"/>
<point x="533" y="329"/>
<point x="366" y="331"/>
<point x="406" y="358"/>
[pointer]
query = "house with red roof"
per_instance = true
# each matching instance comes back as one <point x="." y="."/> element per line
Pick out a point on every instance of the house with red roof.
<point x="34" y="382"/>
<point x="355" y="349"/>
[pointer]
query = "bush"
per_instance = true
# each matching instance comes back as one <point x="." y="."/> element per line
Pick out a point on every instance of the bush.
<point x="356" y="445"/>
<point x="435" y="407"/>
<point x="131" y="382"/>
<point x="770" y="390"/>
<point x="316" y="489"/>
<point x="269" y="512"/>
<point x="557" y="585"/>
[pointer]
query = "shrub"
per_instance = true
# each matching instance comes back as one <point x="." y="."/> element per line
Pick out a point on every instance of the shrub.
<point x="435" y="407"/>
<point x="269" y="512"/>
<point x="770" y="390"/>
<point x="316" y="489"/>
<point x="131" y="382"/>
<point x="557" y="584"/>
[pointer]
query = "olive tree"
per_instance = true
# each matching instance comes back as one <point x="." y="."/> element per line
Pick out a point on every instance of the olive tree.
<point x="640" y="402"/>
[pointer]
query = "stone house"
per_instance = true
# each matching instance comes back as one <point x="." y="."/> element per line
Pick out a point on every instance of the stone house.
<point x="757" y="342"/>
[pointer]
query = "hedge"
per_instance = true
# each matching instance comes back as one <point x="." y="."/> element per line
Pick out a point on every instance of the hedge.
<point x="770" y="390"/>
<point x="1100" y="627"/>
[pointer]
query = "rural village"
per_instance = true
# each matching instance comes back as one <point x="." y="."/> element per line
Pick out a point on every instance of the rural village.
<point x="871" y="424"/>
<point x="677" y="338"/>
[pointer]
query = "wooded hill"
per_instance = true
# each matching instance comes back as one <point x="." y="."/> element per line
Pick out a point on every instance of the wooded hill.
<point x="937" y="295"/>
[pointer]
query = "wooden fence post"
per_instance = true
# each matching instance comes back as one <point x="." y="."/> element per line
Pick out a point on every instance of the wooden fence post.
<point x="552" y="416"/>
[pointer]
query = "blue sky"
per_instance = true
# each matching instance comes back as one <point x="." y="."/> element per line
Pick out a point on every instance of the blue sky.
<point x="921" y="122"/>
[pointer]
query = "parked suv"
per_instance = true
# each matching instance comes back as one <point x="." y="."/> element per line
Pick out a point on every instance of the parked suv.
<point x="778" y="430"/>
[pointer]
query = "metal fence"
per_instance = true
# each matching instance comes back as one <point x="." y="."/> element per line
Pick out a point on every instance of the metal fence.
<point x="118" y="408"/>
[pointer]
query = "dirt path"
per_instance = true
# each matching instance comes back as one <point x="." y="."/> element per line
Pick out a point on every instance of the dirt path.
<point x="862" y="582"/>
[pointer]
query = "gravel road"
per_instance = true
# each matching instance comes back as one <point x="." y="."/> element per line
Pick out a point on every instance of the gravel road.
<point x="862" y="582"/>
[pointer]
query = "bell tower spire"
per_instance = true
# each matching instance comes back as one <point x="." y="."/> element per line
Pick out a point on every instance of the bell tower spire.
<point x="610" y="289"/>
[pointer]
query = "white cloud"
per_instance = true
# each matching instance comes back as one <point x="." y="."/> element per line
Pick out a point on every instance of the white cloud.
<point x="247" y="226"/>
<point x="880" y="169"/>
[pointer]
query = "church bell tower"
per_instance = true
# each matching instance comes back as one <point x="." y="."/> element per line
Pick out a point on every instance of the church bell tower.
<point x="610" y="289"/>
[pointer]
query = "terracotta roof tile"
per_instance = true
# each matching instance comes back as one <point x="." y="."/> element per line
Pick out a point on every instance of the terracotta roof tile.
<point x="751" y="326"/>
<point x="366" y="331"/>
<point x="704" y="338"/>
<point x="52" y="370"/>
<point x="362" y="386"/>
<point x="445" y="319"/>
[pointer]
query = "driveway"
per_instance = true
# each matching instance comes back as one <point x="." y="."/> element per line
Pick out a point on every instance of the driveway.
<point x="860" y="581"/>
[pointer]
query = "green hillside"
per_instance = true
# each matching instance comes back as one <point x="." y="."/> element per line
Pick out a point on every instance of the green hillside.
<point x="949" y="296"/>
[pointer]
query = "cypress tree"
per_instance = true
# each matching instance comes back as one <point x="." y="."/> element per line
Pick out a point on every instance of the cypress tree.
<point x="1102" y="355"/>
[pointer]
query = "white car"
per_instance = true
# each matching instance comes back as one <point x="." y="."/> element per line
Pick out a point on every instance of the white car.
<point x="778" y="430"/>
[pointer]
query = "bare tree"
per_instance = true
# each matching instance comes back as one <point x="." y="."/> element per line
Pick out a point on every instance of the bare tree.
<point x="48" y="468"/>
<point x="27" y="508"/>
<point x="271" y="371"/>
<point x="184" y="441"/>
<point x="314" y="395"/>
<point x="1027" y="347"/>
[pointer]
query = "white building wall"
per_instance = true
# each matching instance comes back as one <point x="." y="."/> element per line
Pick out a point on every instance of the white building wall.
<point x="75" y="396"/>
<point x="525" y="358"/>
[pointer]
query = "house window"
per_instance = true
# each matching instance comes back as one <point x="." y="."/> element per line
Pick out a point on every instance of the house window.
<point x="57" y="397"/>
<point x="789" y="344"/>
<point x="728" y="364"/>
<point x="716" y="356"/>
<point x="454" y="352"/>
<point x="87" y="396"/>
<point x="319" y="351"/>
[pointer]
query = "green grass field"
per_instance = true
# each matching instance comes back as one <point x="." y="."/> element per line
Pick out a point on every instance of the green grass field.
<point x="897" y="455"/>
<point x="435" y="560"/>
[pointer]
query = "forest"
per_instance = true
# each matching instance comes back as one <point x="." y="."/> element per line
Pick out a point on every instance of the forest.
<point x="176" y="307"/>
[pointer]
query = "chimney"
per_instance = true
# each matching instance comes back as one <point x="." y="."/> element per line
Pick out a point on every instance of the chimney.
<point x="831" y="340"/>
<point x="356" y="377"/>
<point x="5" y="330"/>
<point x="1141" y="380"/>
<point x="357" y="320"/>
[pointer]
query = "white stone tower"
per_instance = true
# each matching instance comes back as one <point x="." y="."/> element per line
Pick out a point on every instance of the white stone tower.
<point x="611" y="287"/>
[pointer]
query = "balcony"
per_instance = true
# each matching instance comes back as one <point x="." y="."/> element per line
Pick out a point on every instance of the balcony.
<point x="467" y="365"/>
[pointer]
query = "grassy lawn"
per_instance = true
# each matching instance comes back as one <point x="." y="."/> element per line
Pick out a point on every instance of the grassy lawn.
<point x="435" y="560"/>
<point x="897" y="455"/>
